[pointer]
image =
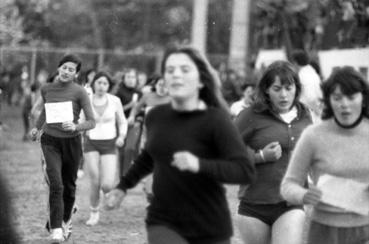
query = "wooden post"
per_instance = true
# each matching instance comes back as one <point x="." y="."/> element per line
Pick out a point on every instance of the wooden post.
<point x="33" y="66"/>
<point x="100" y="59"/>
<point x="238" y="54"/>
<point x="199" y="24"/>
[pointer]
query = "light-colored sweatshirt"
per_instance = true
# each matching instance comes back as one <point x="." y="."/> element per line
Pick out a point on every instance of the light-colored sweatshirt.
<point x="327" y="148"/>
<point x="106" y="122"/>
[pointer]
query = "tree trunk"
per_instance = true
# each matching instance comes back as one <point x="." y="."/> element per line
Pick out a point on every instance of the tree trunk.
<point x="286" y="35"/>
<point x="97" y="32"/>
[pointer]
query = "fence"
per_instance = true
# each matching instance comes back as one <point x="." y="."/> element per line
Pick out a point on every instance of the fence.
<point x="38" y="59"/>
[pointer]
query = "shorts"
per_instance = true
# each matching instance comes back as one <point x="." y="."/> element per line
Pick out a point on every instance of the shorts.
<point x="267" y="213"/>
<point x="101" y="146"/>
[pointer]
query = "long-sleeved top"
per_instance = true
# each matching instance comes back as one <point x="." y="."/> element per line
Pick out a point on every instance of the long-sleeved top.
<point x="194" y="204"/>
<point x="327" y="148"/>
<point x="128" y="97"/>
<point x="260" y="126"/>
<point x="66" y="92"/>
<point x="106" y="122"/>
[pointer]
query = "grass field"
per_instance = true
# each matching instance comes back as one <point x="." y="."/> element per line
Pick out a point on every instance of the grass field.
<point x="20" y="166"/>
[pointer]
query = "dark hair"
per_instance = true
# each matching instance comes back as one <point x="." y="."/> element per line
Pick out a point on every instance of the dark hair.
<point x="51" y="77"/>
<point x="210" y="92"/>
<point x="300" y="57"/>
<point x="71" y="58"/>
<point x="153" y="80"/>
<point x="84" y="78"/>
<point x="34" y="87"/>
<point x="350" y="81"/>
<point x="286" y="73"/>
<point x="98" y="76"/>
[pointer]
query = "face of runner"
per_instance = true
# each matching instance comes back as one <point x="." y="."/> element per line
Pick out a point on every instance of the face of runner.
<point x="346" y="108"/>
<point x="182" y="77"/>
<point x="130" y="79"/>
<point x="281" y="96"/>
<point x="101" y="85"/>
<point x="67" y="72"/>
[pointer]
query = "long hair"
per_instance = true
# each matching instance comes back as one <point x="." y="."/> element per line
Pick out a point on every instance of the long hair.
<point x="287" y="75"/>
<point x="350" y="82"/>
<point x="210" y="93"/>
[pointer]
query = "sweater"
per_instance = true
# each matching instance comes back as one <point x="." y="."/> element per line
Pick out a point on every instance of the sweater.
<point x="126" y="96"/>
<point x="62" y="92"/>
<point x="106" y="123"/>
<point x="260" y="126"/>
<point x="327" y="148"/>
<point x="193" y="204"/>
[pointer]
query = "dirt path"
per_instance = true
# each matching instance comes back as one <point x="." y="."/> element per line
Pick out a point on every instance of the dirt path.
<point x="20" y="165"/>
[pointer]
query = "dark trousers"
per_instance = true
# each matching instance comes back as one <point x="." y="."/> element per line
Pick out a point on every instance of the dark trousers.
<point x="159" y="234"/>
<point x="62" y="157"/>
<point x="26" y="122"/>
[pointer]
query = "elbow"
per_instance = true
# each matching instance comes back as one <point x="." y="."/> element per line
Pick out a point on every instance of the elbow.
<point x="248" y="176"/>
<point x="282" y="190"/>
<point x="93" y="123"/>
<point x="249" y="171"/>
<point x="252" y="175"/>
<point x="287" y="193"/>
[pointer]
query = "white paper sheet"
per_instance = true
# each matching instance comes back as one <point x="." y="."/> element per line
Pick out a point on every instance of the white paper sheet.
<point x="59" y="112"/>
<point x="344" y="193"/>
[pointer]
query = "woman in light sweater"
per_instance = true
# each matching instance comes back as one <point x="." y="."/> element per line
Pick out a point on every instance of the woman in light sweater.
<point x="101" y="142"/>
<point x="339" y="147"/>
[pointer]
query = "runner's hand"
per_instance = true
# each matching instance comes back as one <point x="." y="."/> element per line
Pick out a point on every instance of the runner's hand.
<point x="312" y="196"/>
<point x="272" y="151"/>
<point x="114" y="198"/>
<point x="186" y="161"/>
<point x="120" y="141"/>
<point x="69" y="126"/>
<point x="34" y="134"/>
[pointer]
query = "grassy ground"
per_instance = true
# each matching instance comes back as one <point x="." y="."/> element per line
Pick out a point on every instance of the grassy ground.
<point x="20" y="165"/>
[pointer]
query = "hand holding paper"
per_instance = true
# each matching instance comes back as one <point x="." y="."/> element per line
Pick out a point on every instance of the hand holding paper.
<point x="69" y="126"/>
<point x="351" y="195"/>
<point x="313" y="196"/>
<point x="59" y="112"/>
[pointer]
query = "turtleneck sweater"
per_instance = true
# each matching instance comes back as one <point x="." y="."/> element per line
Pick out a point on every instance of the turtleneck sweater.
<point x="327" y="148"/>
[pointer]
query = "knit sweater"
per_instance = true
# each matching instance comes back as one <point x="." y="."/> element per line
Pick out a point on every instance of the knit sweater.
<point x="194" y="204"/>
<point x="63" y="92"/>
<point x="327" y="148"/>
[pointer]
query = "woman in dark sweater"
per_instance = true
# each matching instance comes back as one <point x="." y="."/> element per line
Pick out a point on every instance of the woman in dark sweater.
<point x="191" y="148"/>
<point x="271" y="128"/>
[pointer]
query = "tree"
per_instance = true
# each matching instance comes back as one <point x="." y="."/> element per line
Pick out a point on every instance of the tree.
<point x="11" y="30"/>
<point x="284" y="18"/>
